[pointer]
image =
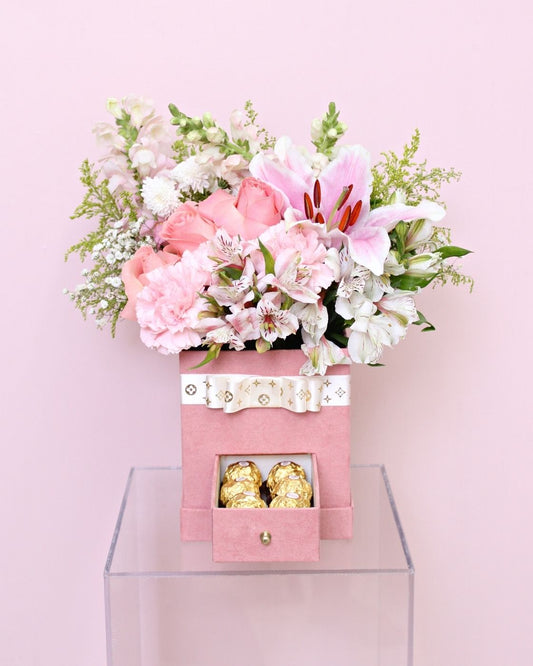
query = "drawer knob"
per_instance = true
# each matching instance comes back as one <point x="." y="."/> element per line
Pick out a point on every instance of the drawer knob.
<point x="266" y="538"/>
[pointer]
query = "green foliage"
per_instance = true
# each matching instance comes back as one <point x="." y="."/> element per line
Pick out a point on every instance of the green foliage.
<point x="402" y="175"/>
<point x="450" y="274"/>
<point x="452" y="251"/>
<point x="204" y="131"/>
<point x="326" y="131"/>
<point x="267" y="140"/>
<point x="115" y="240"/>
<point x="422" y="321"/>
<point x="401" y="178"/>
<point x="269" y="259"/>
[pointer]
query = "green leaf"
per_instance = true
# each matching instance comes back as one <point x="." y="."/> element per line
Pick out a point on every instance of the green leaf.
<point x="269" y="259"/>
<point x="452" y="251"/>
<point x="212" y="354"/>
<point x="423" y="321"/>
<point x="339" y="338"/>
<point x="376" y="365"/>
<point x="411" y="282"/>
<point x="232" y="272"/>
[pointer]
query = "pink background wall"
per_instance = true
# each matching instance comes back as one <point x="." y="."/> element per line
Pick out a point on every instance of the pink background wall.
<point x="450" y="415"/>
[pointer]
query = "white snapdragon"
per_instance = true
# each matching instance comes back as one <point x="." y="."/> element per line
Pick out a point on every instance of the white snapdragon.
<point x="139" y="109"/>
<point x="142" y="159"/>
<point x="160" y="196"/>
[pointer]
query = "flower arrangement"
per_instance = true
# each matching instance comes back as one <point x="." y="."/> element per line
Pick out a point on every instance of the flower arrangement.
<point x="235" y="240"/>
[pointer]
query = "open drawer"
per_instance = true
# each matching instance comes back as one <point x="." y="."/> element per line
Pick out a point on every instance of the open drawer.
<point x="268" y="534"/>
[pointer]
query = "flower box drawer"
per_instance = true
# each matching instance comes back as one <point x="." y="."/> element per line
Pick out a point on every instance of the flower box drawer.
<point x="266" y="535"/>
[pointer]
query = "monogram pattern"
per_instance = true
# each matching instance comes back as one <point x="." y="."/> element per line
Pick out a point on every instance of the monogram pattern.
<point x="232" y="393"/>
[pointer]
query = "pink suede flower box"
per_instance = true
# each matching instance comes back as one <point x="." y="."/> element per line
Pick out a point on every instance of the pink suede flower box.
<point x="210" y="433"/>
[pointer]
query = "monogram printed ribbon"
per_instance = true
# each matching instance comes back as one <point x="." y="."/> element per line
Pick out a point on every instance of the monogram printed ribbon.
<point x="235" y="392"/>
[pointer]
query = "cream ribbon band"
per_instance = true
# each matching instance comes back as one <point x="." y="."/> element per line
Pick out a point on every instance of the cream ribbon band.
<point x="235" y="392"/>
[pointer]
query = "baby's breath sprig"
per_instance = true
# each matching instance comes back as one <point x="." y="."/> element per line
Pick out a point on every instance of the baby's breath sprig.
<point x="116" y="239"/>
<point x="326" y="131"/>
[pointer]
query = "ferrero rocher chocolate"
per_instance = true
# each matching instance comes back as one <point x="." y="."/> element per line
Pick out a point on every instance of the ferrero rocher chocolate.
<point x="246" y="500"/>
<point x="282" y="470"/>
<point x="293" y="484"/>
<point x="243" y="468"/>
<point x="232" y="488"/>
<point x="289" y="501"/>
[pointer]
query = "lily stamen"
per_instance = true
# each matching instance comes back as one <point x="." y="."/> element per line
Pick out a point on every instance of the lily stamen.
<point x="317" y="194"/>
<point x="309" y="212"/>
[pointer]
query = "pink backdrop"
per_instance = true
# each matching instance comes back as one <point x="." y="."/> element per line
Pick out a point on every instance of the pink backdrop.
<point x="449" y="414"/>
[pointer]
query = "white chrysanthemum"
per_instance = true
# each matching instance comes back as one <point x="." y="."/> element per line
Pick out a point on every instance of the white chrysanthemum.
<point x="160" y="196"/>
<point x="191" y="175"/>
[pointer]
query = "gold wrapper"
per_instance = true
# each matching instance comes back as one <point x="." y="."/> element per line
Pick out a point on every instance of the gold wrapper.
<point x="293" y="484"/>
<point x="243" y="468"/>
<point x="289" y="501"/>
<point x="246" y="500"/>
<point x="283" y="469"/>
<point x="232" y="488"/>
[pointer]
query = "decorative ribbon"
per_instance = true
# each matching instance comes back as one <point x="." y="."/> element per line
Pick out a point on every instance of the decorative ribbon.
<point x="235" y="392"/>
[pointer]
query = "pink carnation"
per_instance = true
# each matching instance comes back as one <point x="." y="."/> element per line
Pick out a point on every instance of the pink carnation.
<point x="134" y="273"/>
<point x="169" y="305"/>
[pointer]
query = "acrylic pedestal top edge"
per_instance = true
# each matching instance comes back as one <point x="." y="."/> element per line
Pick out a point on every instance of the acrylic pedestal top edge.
<point x="146" y="541"/>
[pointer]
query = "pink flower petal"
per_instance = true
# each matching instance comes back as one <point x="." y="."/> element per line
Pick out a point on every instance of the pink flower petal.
<point x="388" y="217"/>
<point x="369" y="247"/>
<point x="290" y="184"/>
<point x="350" y="167"/>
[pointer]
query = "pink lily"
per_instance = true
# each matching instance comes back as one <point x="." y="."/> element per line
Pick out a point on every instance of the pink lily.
<point x="339" y="199"/>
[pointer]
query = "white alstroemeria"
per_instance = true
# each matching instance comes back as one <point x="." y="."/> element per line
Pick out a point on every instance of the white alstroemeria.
<point x="419" y="233"/>
<point x="356" y="307"/>
<point x="366" y="346"/>
<point x="314" y="319"/>
<point x="226" y="250"/>
<point x="398" y="197"/>
<point x="400" y="310"/>
<point x="273" y="322"/>
<point x="160" y="196"/>
<point x="321" y="356"/>
<point x="376" y="286"/>
<point x="424" y="264"/>
<point x="192" y="175"/>
<point x="392" y="264"/>
<point x="234" y="295"/>
<point x="225" y="335"/>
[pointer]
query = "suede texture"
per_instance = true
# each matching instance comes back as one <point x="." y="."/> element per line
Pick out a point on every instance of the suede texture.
<point x="207" y="433"/>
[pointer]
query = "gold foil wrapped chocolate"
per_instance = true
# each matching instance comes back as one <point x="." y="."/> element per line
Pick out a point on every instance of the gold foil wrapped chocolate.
<point x="246" y="500"/>
<point x="293" y="484"/>
<point x="243" y="468"/>
<point x="289" y="501"/>
<point x="232" y="488"/>
<point x="283" y="469"/>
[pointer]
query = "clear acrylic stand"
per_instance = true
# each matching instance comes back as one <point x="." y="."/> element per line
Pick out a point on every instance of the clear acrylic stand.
<point x="169" y="604"/>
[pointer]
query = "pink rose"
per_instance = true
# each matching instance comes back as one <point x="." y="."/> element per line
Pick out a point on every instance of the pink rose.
<point x="134" y="274"/>
<point x="186" y="229"/>
<point x="256" y="208"/>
